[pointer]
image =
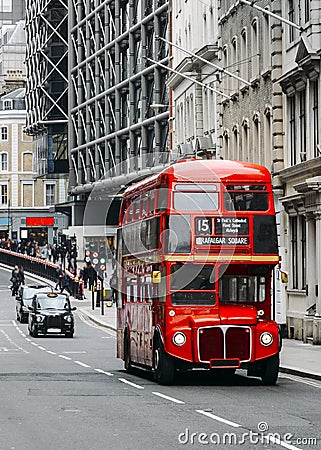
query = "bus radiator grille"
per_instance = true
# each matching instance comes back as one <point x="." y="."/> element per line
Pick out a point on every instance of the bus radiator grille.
<point x="234" y="343"/>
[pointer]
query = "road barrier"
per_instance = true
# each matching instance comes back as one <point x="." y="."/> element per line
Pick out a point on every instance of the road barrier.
<point x="42" y="268"/>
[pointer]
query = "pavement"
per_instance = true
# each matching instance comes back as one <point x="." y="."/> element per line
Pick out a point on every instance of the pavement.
<point x="297" y="358"/>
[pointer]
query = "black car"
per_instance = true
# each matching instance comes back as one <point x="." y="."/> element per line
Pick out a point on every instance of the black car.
<point x="51" y="313"/>
<point x="24" y="299"/>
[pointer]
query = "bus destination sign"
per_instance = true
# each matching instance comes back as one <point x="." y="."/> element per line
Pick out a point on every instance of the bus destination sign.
<point x="228" y="231"/>
<point x="231" y="226"/>
<point x="221" y="240"/>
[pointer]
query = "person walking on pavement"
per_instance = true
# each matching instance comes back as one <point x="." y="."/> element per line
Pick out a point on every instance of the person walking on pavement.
<point x="92" y="276"/>
<point x="22" y="275"/>
<point x="64" y="283"/>
<point x="59" y="275"/>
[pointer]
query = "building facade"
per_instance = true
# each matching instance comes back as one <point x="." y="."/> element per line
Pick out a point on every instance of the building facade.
<point x="118" y="103"/>
<point x="11" y="11"/>
<point x="194" y="99"/>
<point x="25" y="201"/>
<point x="301" y="176"/>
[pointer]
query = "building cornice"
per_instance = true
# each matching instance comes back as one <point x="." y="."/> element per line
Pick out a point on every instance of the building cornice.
<point x="309" y="168"/>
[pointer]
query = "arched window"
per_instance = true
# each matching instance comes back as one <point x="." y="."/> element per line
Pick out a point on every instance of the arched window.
<point x="234" y="64"/>
<point x="255" y="46"/>
<point x="268" y="144"/>
<point x="245" y="140"/>
<point x="255" y="154"/>
<point x="3" y="161"/>
<point x="244" y="55"/>
<point x="226" y="149"/>
<point x="236" y="150"/>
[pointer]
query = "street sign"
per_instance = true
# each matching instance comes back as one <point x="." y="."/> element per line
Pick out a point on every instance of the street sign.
<point x="87" y="253"/>
<point x="95" y="255"/>
<point x="95" y="261"/>
<point x="102" y="267"/>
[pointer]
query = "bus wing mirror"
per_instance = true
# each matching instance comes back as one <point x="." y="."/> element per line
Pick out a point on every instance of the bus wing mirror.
<point x="156" y="276"/>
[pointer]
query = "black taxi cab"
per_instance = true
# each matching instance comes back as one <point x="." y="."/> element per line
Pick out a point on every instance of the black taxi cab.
<point x="51" y="313"/>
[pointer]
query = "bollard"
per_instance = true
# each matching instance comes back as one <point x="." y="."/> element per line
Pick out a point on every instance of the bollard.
<point x="98" y="295"/>
<point x="92" y="297"/>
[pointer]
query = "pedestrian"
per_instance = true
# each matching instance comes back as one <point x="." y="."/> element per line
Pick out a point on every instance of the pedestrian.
<point x="15" y="280"/>
<point x="112" y="283"/>
<point x="59" y="275"/>
<point x="92" y="276"/>
<point x="64" y="283"/>
<point x="21" y="275"/>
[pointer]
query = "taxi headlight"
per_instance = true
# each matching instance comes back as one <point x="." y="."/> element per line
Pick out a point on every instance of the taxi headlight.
<point x="266" y="339"/>
<point x="39" y="318"/>
<point x="179" y="338"/>
<point x="68" y="319"/>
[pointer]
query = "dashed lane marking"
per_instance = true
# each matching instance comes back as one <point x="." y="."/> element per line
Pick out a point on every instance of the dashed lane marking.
<point x="123" y="380"/>
<point x="105" y="373"/>
<point x="218" y="419"/>
<point x="64" y="357"/>
<point x="13" y="343"/>
<point x="81" y="364"/>
<point x="171" y="399"/>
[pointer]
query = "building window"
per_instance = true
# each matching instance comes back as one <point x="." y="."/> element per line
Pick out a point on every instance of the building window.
<point x="268" y="137"/>
<point x="27" y="195"/>
<point x="294" y="251"/>
<point x="303" y="252"/>
<point x="315" y="115"/>
<point x="245" y="140"/>
<point x="307" y="10"/>
<point x="302" y="122"/>
<point x="4" y="133"/>
<point x="256" y="147"/>
<point x="4" y="194"/>
<point x="267" y="42"/>
<point x="27" y="162"/>
<point x="292" y="134"/>
<point x="291" y="16"/>
<point x="244" y="55"/>
<point x="226" y="78"/>
<point x="50" y="194"/>
<point x="235" y="154"/>
<point x="255" y="48"/>
<point x="7" y="104"/>
<point x="3" y="162"/>
<point x="234" y="64"/>
<point x="5" y="5"/>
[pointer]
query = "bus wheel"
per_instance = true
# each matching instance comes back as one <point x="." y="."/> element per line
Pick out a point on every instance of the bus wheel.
<point x="127" y="361"/>
<point x="163" y="365"/>
<point x="269" y="374"/>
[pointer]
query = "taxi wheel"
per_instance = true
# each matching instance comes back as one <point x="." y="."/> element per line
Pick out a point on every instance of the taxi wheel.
<point x="30" y="332"/>
<point x="34" y="332"/>
<point x="69" y="335"/>
<point x="163" y="366"/>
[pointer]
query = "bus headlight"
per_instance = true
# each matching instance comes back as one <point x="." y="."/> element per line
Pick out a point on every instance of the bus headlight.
<point x="266" y="339"/>
<point x="179" y="339"/>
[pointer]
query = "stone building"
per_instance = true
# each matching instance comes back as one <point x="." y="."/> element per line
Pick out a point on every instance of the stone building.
<point x="301" y="176"/>
<point x="25" y="200"/>
<point x="194" y="104"/>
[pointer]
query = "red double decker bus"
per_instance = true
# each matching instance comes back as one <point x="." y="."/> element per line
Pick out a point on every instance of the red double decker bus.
<point x="196" y="247"/>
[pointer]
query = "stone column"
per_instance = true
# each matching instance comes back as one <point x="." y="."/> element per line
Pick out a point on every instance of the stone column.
<point x="317" y="319"/>
<point x="311" y="275"/>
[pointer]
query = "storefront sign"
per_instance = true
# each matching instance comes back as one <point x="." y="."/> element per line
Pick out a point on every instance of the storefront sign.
<point x="40" y="221"/>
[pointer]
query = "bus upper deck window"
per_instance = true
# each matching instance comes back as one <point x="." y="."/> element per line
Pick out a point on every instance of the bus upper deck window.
<point x="196" y="197"/>
<point x="246" y="198"/>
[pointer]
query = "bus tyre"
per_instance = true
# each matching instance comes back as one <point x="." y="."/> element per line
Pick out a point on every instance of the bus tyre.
<point x="127" y="361"/>
<point x="163" y="365"/>
<point x="270" y="370"/>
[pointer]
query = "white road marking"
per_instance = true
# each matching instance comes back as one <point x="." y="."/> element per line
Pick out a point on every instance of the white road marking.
<point x="172" y="399"/>
<point x="219" y="419"/>
<point x="123" y="380"/>
<point x="51" y="353"/>
<point x="282" y="443"/>
<point x="23" y="335"/>
<point x="28" y="340"/>
<point x="300" y="380"/>
<point x="73" y="353"/>
<point x="13" y="343"/>
<point x="41" y="348"/>
<point x="81" y="364"/>
<point x="64" y="357"/>
<point x="105" y="373"/>
<point x="33" y="343"/>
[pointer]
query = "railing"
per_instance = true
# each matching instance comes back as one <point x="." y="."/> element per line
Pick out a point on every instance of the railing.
<point x="41" y="268"/>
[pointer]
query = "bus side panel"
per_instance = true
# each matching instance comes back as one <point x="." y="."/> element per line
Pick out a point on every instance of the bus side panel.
<point x="120" y="333"/>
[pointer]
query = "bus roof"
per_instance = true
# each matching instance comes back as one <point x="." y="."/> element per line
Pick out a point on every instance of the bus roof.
<point x="200" y="170"/>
